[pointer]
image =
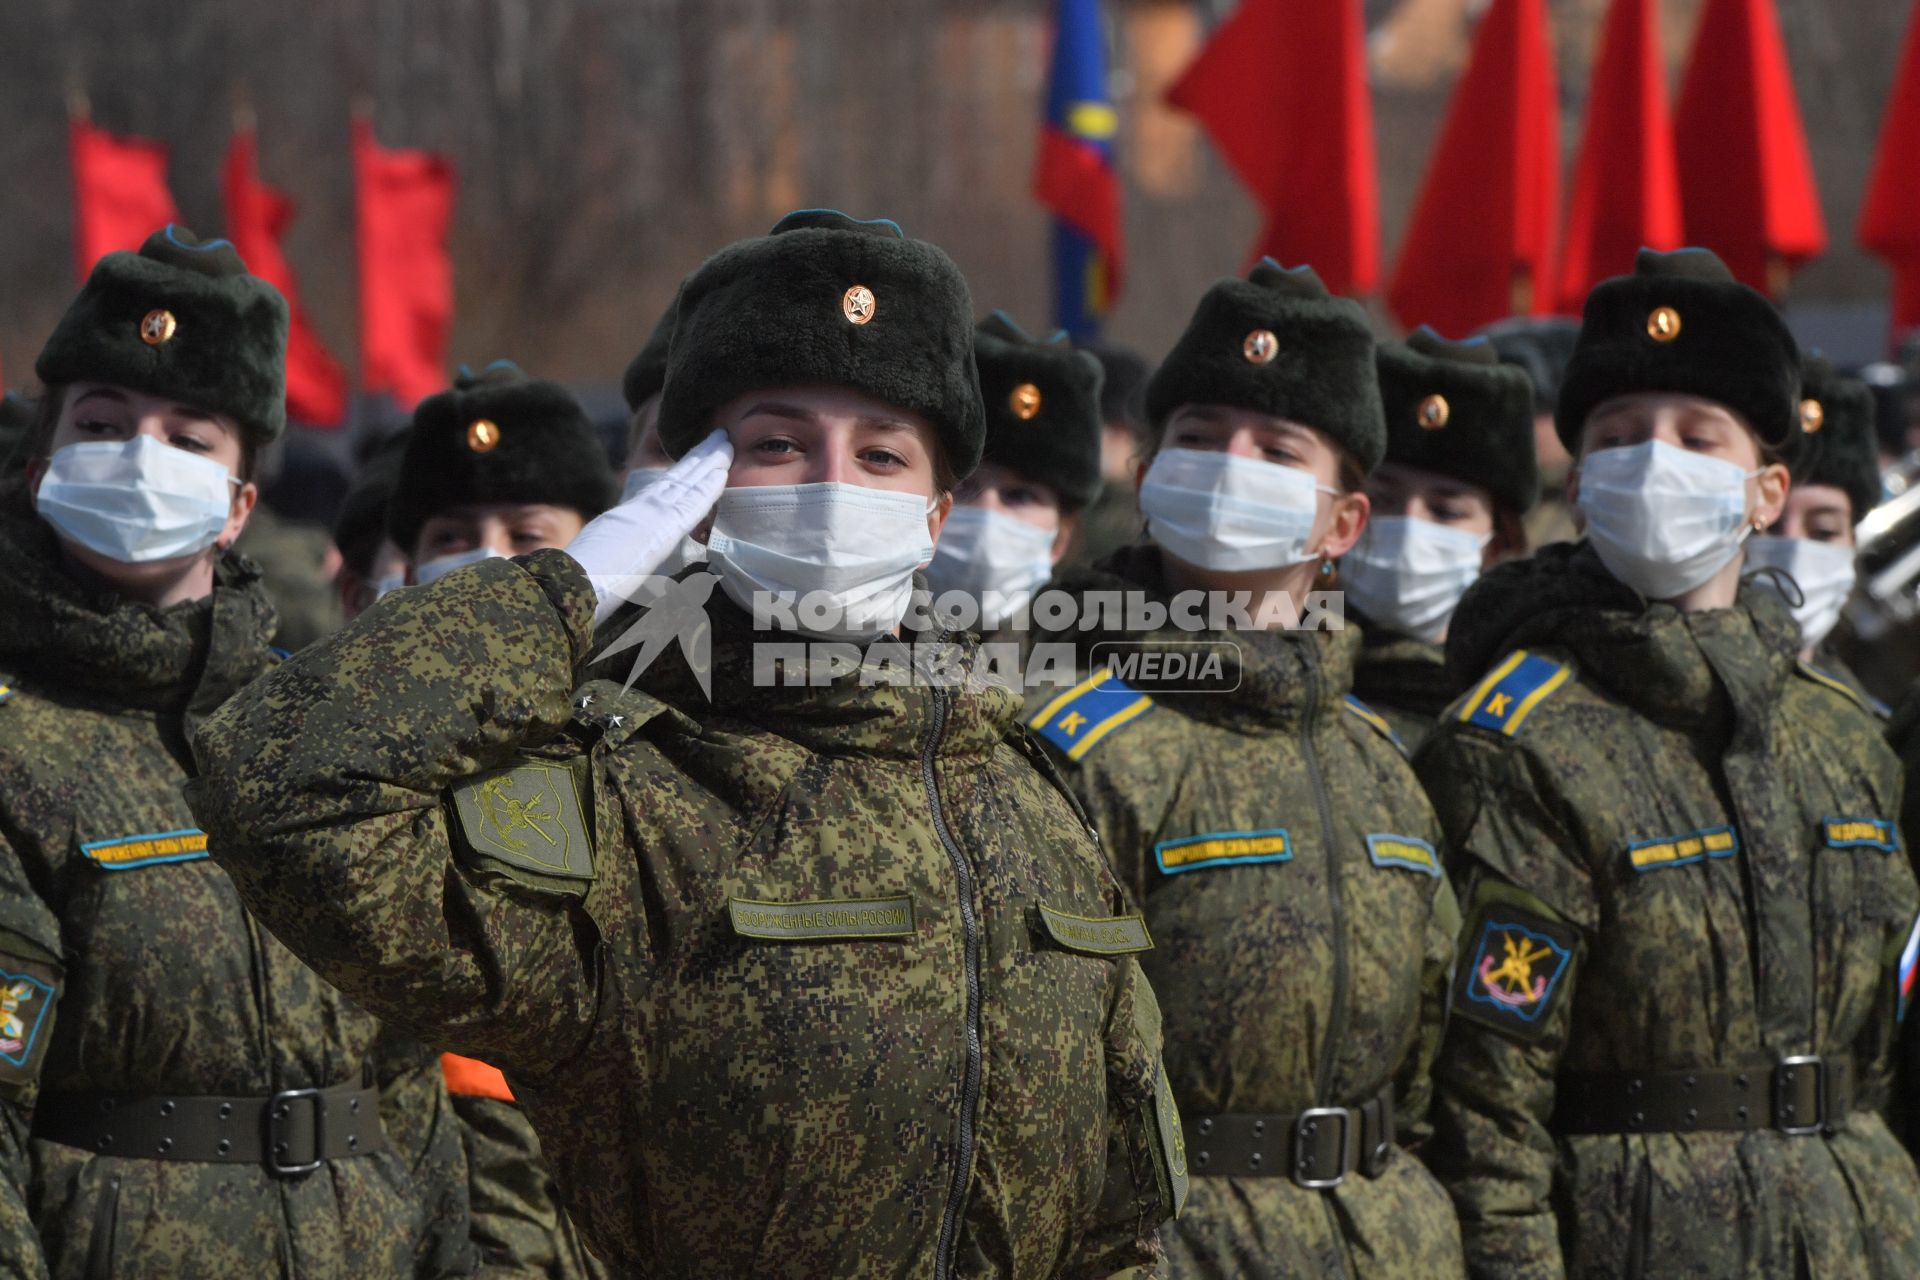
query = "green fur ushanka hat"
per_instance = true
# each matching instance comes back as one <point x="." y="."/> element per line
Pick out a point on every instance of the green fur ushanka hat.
<point x="1453" y="408"/>
<point x="1681" y="323"/>
<point x="1278" y="343"/>
<point x="1043" y="408"/>
<point x="1837" y="443"/>
<point x="647" y="372"/>
<point x="183" y="320"/>
<point x="827" y="300"/>
<point x="497" y="436"/>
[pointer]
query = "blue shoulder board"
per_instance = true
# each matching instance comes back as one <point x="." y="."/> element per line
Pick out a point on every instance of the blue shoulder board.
<point x="1866" y="701"/>
<point x="6" y="691"/>
<point x="1377" y="720"/>
<point x="1509" y="693"/>
<point x="1080" y="718"/>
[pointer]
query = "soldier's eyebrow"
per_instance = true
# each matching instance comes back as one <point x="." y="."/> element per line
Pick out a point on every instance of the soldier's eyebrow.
<point x="100" y="393"/>
<point x="886" y="424"/>
<point x="777" y="409"/>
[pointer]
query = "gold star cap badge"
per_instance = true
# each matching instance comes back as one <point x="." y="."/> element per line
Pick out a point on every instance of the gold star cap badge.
<point x="483" y="435"/>
<point x="1813" y="415"/>
<point x="1260" y="347"/>
<point x="1663" y="325"/>
<point x="857" y="304"/>
<point x="1434" y="413"/>
<point x="158" y="326"/>
<point x="1025" y="402"/>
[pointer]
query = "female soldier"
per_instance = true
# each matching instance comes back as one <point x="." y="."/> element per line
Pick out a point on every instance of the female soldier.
<point x="818" y="977"/>
<point x="1265" y="821"/>
<point x="1015" y="516"/>
<point x="1687" y="906"/>
<point x="1448" y="502"/>
<point x="201" y="1102"/>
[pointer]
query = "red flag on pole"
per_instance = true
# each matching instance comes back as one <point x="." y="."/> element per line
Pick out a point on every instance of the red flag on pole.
<point x="1890" y="222"/>
<point x="1282" y="89"/>
<point x="257" y="218"/>
<point x="1746" y="178"/>
<point x="1626" y="185"/>
<point x="1480" y="245"/>
<point x="120" y="194"/>
<point x="403" y="209"/>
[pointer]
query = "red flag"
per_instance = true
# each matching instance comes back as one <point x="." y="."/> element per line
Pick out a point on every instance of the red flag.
<point x="1626" y="186"/>
<point x="1480" y="245"/>
<point x="1745" y="175"/>
<point x="257" y="218"/>
<point x="404" y="206"/>
<point x="1890" y="222"/>
<point x="120" y="194"/>
<point x="1282" y="89"/>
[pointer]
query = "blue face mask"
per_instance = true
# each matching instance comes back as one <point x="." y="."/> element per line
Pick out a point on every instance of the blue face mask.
<point x="135" y="501"/>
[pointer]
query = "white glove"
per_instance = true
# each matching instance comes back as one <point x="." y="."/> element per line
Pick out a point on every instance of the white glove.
<point x="622" y="547"/>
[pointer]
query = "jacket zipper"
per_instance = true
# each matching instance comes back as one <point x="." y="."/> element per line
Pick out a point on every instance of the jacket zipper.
<point x="949" y="1245"/>
<point x="1336" y="922"/>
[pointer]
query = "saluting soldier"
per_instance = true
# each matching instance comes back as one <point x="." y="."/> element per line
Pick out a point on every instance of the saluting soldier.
<point x="1264" y="818"/>
<point x="818" y="977"/>
<point x="1689" y="918"/>
<point x="179" y="1095"/>
<point x="1015" y="517"/>
<point x="1448" y="502"/>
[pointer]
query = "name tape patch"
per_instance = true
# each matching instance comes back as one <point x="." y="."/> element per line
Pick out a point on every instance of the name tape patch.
<point x="1514" y="973"/>
<point x="824" y="919"/>
<point x="1098" y="935"/>
<point x="1662" y="852"/>
<point x="1410" y="852"/>
<point x="1222" y="848"/>
<point x="124" y="853"/>
<point x="1861" y="833"/>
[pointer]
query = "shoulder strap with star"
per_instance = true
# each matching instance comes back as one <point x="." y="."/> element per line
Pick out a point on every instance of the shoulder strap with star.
<point x="1088" y="714"/>
<point x="1511" y="692"/>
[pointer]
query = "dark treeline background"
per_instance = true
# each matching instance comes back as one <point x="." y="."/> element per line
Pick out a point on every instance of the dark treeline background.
<point x="605" y="146"/>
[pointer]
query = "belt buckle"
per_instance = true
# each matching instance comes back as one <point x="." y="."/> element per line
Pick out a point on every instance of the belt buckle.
<point x="1305" y="1127"/>
<point x="1786" y="1075"/>
<point x="280" y="1108"/>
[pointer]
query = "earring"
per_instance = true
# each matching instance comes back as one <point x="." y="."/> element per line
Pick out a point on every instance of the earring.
<point x="1326" y="568"/>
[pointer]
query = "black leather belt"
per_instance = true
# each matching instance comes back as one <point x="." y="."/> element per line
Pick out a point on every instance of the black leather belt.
<point x="289" y="1133"/>
<point x="1798" y="1095"/>
<point x="1317" y="1148"/>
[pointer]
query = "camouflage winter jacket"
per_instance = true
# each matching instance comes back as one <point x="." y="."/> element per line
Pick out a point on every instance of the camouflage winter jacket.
<point x="1404" y="679"/>
<point x="1288" y="866"/>
<point x="790" y="983"/>
<point x="132" y="968"/>
<point x="1680" y="856"/>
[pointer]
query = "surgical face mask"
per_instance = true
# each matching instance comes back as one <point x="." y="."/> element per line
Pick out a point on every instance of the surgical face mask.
<point x="1663" y="520"/>
<point x="1824" y="572"/>
<point x="638" y="479"/>
<point x="1407" y="575"/>
<point x="136" y="500"/>
<point x="1227" y="513"/>
<point x="996" y="558"/>
<point x="841" y="555"/>
<point x="438" y="568"/>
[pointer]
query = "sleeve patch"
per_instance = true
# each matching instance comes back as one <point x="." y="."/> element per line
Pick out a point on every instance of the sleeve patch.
<point x="1100" y="936"/>
<point x="1909" y="956"/>
<point x="124" y="853"/>
<point x="1860" y="833"/>
<point x="526" y="821"/>
<point x="1408" y="852"/>
<point x="1378" y="721"/>
<point x="1080" y="718"/>
<point x="1222" y="848"/>
<point x="1515" y="971"/>
<point x="1661" y="852"/>
<point x="28" y="991"/>
<point x="1510" y="692"/>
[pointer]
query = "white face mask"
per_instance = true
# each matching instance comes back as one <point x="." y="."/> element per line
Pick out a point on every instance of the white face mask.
<point x="991" y="554"/>
<point x="436" y="569"/>
<point x="843" y="554"/>
<point x="136" y="500"/>
<point x="1227" y="513"/>
<point x="1663" y="520"/>
<point x="1824" y="572"/>
<point x="1407" y="575"/>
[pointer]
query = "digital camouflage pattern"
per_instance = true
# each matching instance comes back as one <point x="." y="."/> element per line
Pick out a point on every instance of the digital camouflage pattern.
<point x="1314" y="979"/>
<point x="735" y="1067"/>
<point x="1404" y="679"/>
<point x="165" y="983"/>
<point x="293" y="565"/>
<point x="518" y="1225"/>
<point x="1725" y="955"/>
